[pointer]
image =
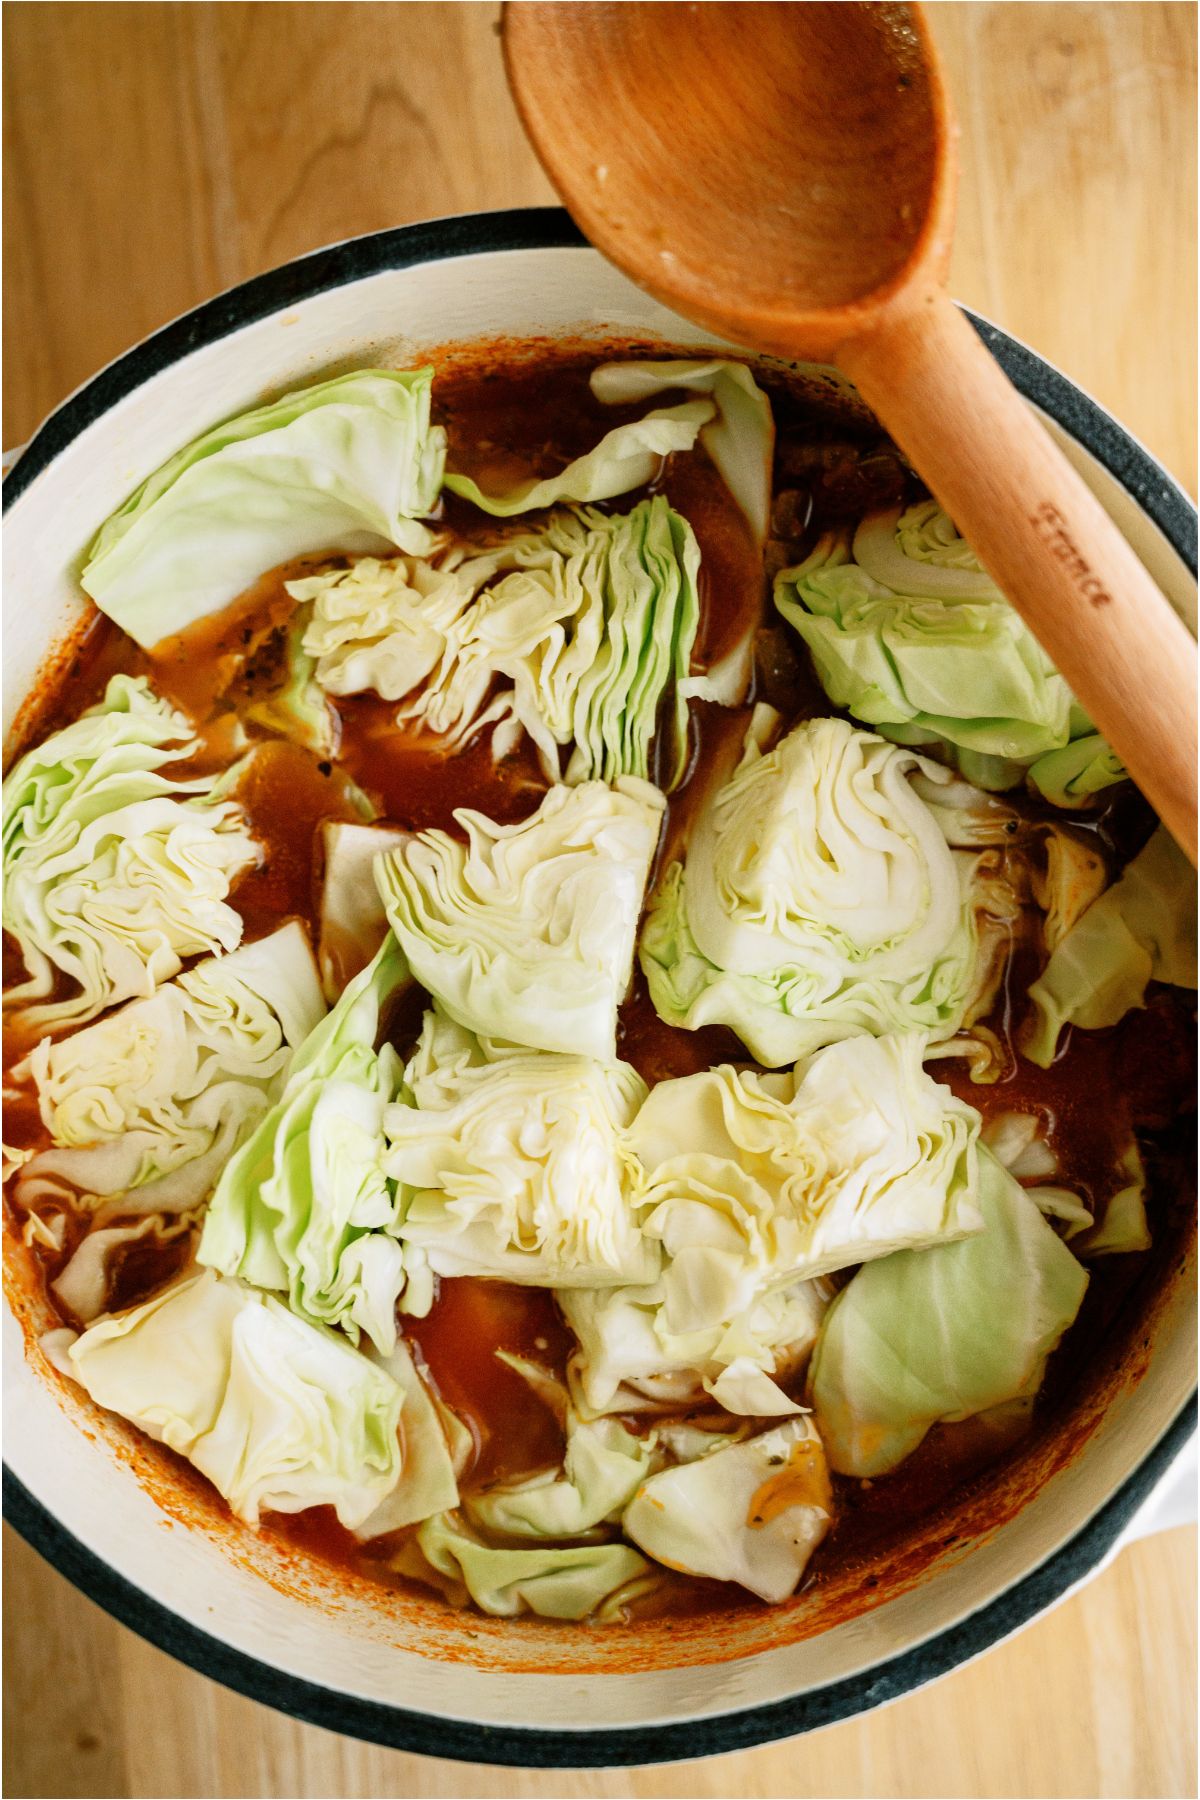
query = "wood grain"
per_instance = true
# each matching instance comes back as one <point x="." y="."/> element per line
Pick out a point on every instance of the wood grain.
<point x="156" y="153"/>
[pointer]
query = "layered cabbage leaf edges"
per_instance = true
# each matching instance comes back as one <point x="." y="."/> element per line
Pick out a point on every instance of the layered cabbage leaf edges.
<point x="910" y="634"/>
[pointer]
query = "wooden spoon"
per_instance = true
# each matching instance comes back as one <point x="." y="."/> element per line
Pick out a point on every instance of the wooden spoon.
<point x="784" y="175"/>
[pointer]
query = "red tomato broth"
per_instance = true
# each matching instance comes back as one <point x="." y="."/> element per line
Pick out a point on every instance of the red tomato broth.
<point x="537" y="412"/>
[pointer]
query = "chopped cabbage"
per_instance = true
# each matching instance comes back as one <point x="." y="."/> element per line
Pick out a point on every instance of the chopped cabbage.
<point x="427" y="1483"/>
<point x="1141" y="929"/>
<point x="1018" y="1141"/>
<point x="751" y="1513"/>
<point x="910" y="634"/>
<point x="756" y="1181"/>
<point x="83" y="1286"/>
<point x="819" y="900"/>
<point x="753" y="1185"/>
<point x="577" y="634"/>
<point x="627" y="457"/>
<point x="298" y="709"/>
<point x="578" y="1582"/>
<point x="1072" y="877"/>
<point x="512" y="1163"/>
<point x="1121" y="1225"/>
<point x="630" y="1360"/>
<point x="687" y="1440"/>
<point x="146" y="1106"/>
<point x="114" y="873"/>
<point x="527" y="931"/>
<point x="1070" y="776"/>
<point x="941" y="1334"/>
<point x="740" y="439"/>
<point x="602" y="1468"/>
<point x="278" y="1414"/>
<point x="349" y="464"/>
<point x="304" y="1206"/>
<point x="353" y="923"/>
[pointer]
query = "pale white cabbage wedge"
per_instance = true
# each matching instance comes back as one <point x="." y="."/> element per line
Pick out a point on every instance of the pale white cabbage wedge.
<point x="350" y="464"/>
<point x="304" y="1207"/>
<point x="278" y="1414"/>
<point x="526" y="932"/>
<point x="352" y="922"/>
<point x="910" y="634"/>
<point x="1018" y="1141"/>
<point x="941" y="1334"/>
<point x="512" y="1163"/>
<point x="740" y="439"/>
<point x="627" y="457"/>
<point x="1141" y="929"/>
<point x="752" y="1513"/>
<point x="145" y="1107"/>
<point x="630" y="1361"/>
<point x="818" y="900"/>
<point x="757" y="1181"/>
<point x="114" y="874"/>
<point x="579" y="634"/>
<point x="427" y="1483"/>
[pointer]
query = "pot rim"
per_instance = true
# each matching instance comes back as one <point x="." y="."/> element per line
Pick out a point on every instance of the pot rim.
<point x="1170" y="509"/>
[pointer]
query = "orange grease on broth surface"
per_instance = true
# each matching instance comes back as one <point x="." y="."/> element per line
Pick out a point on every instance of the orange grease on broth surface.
<point x="802" y="1481"/>
<point x="529" y="406"/>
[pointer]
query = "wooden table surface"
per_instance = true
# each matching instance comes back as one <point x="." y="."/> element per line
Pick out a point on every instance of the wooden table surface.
<point x="156" y="153"/>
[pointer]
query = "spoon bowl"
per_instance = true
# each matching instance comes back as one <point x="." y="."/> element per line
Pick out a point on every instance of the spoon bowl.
<point x="818" y="134"/>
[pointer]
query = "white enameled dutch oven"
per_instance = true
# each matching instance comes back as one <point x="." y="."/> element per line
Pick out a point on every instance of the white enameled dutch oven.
<point x="288" y="1632"/>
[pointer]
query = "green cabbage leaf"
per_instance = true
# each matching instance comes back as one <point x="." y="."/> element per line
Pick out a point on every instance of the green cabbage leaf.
<point x="576" y="1582"/>
<point x="577" y="634"/>
<point x="350" y="464"/>
<point x="278" y="1414"/>
<point x="602" y="1468"/>
<point x="428" y="1483"/>
<point x="942" y="1334"/>
<point x="114" y="873"/>
<point x="1071" y="776"/>
<point x="145" y="1107"/>
<point x="739" y="438"/>
<point x="630" y="1360"/>
<point x="512" y="1164"/>
<point x="1141" y="929"/>
<point x="304" y="1207"/>
<point x="910" y="634"/>
<point x="527" y="931"/>
<point x="625" y="458"/>
<point x="818" y="900"/>
<point x="753" y="1512"/>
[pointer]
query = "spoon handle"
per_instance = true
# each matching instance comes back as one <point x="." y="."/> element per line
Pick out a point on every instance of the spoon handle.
<point x="1044" y="537"/>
